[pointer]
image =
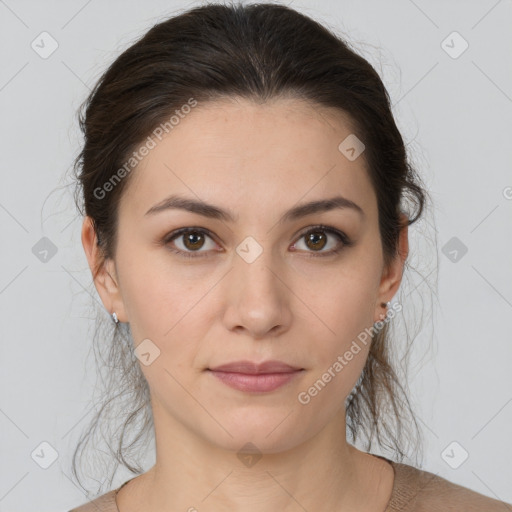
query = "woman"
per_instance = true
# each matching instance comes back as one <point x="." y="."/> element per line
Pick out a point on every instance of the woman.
<point x="243" y="181"/>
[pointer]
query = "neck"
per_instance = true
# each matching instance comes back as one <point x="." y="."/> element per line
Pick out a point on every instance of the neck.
<point x="192" y="473"/>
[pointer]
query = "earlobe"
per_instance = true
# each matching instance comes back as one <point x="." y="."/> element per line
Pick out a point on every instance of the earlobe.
<point x="103" y="272"/>
<point x="391" y="279"/>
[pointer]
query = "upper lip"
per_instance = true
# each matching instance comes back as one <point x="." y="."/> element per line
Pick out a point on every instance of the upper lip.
<point x="251" y="367"/>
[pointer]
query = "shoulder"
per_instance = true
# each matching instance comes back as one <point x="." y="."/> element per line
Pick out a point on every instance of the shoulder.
<point x="104" y="503"/>
<point x="418" y="490"/>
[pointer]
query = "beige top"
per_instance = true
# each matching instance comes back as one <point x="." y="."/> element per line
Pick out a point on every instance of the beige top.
<point x="414" y="490"/>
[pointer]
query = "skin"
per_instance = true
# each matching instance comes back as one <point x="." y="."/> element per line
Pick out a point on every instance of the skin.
<point x="258" y="161"/>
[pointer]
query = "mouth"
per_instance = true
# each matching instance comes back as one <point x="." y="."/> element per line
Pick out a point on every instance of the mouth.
<point x="253" y="368"/>
<point x="263" y="382"/>
<point x="252" y="377"/>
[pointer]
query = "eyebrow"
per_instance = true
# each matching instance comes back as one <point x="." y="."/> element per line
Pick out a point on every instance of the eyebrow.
<point x="215" y="212"/>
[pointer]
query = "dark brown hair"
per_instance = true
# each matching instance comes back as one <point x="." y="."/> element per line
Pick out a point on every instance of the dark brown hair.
<point x="260" y="52"/>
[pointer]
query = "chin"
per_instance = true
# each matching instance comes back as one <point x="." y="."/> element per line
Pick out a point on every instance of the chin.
<point x="274" y="432"/>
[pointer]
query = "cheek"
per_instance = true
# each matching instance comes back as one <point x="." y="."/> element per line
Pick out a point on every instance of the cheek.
<point x="346" y="309"/>
<point x="339" y="356"/>
<point x="346" y="306"/>
<point x="152" y="291"/>
<point x="165" y="305"/>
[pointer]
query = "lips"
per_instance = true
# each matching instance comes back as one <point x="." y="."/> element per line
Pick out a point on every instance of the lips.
<point x="248" y="376"/>
<point x="252" y="368"/>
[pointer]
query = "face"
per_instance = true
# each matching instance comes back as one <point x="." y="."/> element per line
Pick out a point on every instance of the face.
<point x="252" y="284"/>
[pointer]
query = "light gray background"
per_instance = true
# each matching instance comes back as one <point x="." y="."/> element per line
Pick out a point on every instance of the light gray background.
<point x="455" y="114"/>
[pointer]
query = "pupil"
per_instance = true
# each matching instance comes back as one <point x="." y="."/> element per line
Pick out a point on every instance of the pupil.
<point x="193" y="239"/>
<point x="315" y="238"/>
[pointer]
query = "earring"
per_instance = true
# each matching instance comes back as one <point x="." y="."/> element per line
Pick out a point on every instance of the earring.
<point x="114" y="317"/>
<point x="385" y="306"/>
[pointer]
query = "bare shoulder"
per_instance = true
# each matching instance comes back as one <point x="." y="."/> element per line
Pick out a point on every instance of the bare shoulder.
<point x="422" y="491"/>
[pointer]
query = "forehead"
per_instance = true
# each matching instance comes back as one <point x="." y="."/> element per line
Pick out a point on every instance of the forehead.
<point x="248" y="155"/>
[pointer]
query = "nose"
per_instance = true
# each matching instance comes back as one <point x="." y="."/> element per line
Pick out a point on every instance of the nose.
<point x="258" y="298"/>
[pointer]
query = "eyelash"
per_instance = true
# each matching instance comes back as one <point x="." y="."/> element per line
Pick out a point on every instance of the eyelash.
<point x="345" y="240"/>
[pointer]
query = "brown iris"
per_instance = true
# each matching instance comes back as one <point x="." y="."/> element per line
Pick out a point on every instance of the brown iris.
<point x="193" y="240"/>
<point x="317" y="239"/>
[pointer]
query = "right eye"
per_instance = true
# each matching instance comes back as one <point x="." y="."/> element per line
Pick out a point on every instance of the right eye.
<point x="188" y="242"/>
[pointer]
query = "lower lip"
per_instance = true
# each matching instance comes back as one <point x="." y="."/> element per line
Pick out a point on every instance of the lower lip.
<point x="256" y="383"/>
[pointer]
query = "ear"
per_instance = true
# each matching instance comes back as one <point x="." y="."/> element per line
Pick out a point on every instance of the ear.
<point x="392" y="275"/>
<point x="103" y="272"/>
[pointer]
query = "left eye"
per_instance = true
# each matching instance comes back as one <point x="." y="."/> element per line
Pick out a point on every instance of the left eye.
<point x="315" y="239"/>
